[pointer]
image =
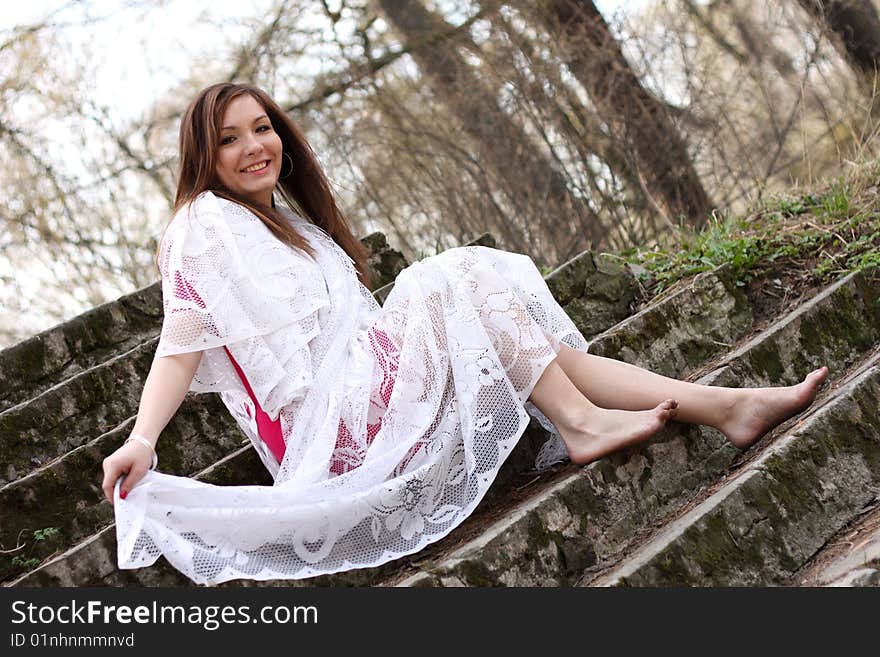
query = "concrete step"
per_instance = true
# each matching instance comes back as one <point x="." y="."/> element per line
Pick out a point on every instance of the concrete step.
<point x="184" y="454"/>
<point x="760" y="527"/>
<point x="591" y="516"/>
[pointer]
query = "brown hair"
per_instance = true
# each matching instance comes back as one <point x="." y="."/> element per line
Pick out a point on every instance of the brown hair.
<point x="306" y="190"/>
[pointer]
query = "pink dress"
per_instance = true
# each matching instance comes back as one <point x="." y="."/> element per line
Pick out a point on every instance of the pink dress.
<point x="270" y="430"/>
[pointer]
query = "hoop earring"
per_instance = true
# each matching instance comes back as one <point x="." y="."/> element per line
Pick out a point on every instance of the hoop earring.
<point x="289" y="159"/>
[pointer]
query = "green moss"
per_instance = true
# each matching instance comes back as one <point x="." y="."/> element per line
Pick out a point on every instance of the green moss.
<point x="765" y="359"/>
<point x="719" y="555"/>
<point x="668" y="568"/>
<point x="608" y="471"/>
<point x="767" y="504"/>
<point x="630" y="338"/>
<point x="835" y="333"/>
<point x="655" y="324"/>
<point x="30" y="359"/>
<point x="537" y="533"/>
<point x="568" y="283"/>
<point x="869" y="428"/>
<point x="476" y="573"/>
<point x="582" y="502"/>
<point x="610" y="287"/>
<point x="793" y="475"/>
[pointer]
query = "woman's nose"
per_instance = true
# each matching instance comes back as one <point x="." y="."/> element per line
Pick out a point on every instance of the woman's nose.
<point x="253" y="145"/>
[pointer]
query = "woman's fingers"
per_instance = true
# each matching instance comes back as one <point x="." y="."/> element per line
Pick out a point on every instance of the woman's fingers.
<point x="134" y="475"/>
<point x="131" y="460"/>
<point x="112" y="471"/>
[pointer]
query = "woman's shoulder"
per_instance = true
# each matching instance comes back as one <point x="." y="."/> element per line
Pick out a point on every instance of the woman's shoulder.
<point x="211" y="211"/>
<point x="208" y="204"/>
<point x="203" y="207"/>
<point x="201" y="222"/>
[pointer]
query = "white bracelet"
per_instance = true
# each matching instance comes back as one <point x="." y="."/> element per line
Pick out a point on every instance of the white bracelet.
<point x="141" y="439"/>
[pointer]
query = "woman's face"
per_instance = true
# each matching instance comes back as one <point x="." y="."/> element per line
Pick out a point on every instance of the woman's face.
<point x="249" y="152"/>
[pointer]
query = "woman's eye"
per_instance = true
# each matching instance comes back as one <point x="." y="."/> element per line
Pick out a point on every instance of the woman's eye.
<point x="264" y="126"/>
<point x="225" y="140"/>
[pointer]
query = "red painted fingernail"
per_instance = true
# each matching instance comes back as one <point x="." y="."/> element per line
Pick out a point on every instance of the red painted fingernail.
<point x="123" y="494"/>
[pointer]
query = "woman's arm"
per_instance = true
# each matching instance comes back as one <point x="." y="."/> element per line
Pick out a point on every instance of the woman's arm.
<point x="164" y="390"/>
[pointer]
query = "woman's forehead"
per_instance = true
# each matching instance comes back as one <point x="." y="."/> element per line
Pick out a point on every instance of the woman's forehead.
<point x="241" y="110"/>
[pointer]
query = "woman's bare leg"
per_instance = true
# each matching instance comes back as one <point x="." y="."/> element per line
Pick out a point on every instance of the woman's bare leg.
<point x="742" y="414"/>
<point x="590" y="432"/>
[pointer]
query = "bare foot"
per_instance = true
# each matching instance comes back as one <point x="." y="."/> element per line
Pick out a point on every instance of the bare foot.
<point x="761" y="409"/>
<point x="603" y="431"/>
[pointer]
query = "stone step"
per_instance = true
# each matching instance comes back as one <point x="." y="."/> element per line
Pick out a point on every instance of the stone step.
<point x="719" y="323"/>
<point x="73" y="412"/>
<point x="92" y="561"/>
<point x="47" y="359"/>
<point x="89" y="405"/>
<point x="761" y="526"/>
<point x="85" y="375"/>
<point x="862" y="568"/>
<point x="684" y="329"/>
<point x="66" y="494"/>
<point x="592" y="515"/>
<point x="182" y="454"/>
<point x="849" y="558"/>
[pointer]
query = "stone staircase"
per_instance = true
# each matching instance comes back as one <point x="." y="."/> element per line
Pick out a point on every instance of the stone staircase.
<point x="685" y="509"/>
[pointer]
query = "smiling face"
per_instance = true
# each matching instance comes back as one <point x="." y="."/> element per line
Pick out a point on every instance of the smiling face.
<point x="249" y="150"/>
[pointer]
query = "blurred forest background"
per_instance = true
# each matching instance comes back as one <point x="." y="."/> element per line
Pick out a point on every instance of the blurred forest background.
<point x="554" y="126"/>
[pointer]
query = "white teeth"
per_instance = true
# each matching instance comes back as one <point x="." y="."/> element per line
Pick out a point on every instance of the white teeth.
<point x="256" y="167"/>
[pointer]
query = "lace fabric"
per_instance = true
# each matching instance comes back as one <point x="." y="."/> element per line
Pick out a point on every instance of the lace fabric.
<point x="226" y="280"/>
<point x="371" y="471"/>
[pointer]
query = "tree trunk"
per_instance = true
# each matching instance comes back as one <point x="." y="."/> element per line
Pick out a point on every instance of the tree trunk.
<point x="856" y="27"/>
<point x="531" y="181"/>
<point x="632" y="114"/>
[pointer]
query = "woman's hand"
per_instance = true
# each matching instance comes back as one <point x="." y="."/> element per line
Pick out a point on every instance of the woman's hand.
<point x="133" y="460"/>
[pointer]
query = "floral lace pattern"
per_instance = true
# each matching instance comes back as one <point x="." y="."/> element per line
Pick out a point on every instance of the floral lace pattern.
<point x="396" y="419"/>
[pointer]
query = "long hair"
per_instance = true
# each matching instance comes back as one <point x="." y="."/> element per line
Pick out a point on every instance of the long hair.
<point x="306" y="190"/>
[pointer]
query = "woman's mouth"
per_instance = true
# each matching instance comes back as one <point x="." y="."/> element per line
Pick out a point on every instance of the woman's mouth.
<point x="259" y="167"/>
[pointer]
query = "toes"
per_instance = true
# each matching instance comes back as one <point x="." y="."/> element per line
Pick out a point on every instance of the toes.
<point x="820" y="374"/>
<point x="668" y="409"/>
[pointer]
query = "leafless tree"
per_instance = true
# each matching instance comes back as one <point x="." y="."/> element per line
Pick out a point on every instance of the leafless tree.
<point x="855" y="26"/>
<point x="540" y="202"/>
<point x="446" y="120"/>
<point x="637" y="120"/>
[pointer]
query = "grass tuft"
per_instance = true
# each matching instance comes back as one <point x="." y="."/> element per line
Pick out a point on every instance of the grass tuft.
<point x="827" y="234"/>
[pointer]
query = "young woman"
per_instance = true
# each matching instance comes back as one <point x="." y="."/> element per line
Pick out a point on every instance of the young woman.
<point x="382" y="427"/>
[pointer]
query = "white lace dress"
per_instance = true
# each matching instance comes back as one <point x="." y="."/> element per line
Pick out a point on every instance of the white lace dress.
<point x="396" y="419"/>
